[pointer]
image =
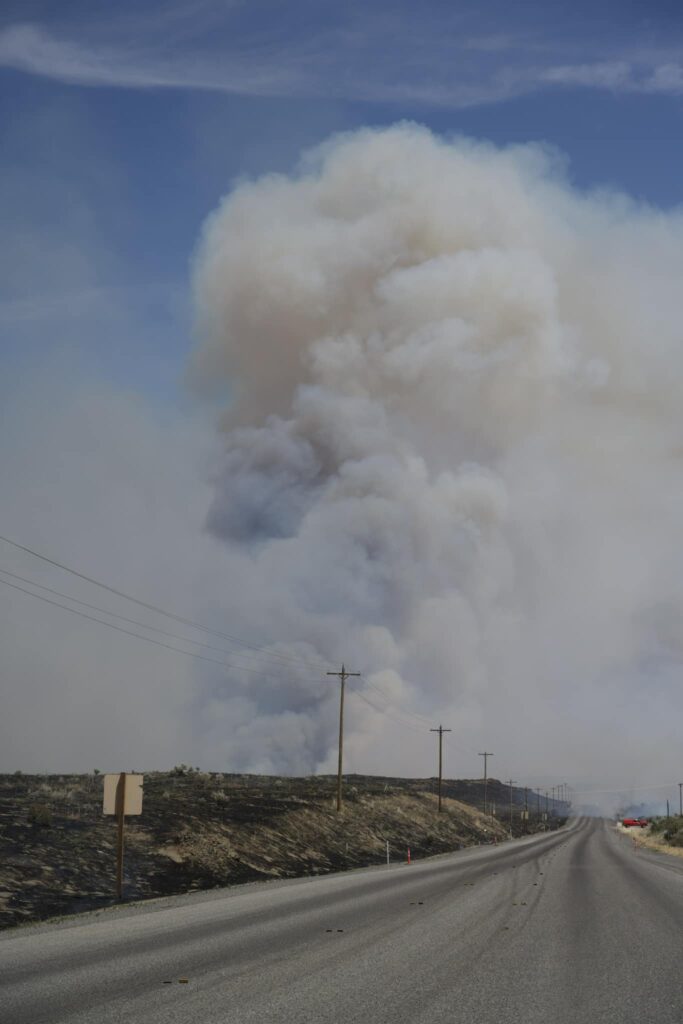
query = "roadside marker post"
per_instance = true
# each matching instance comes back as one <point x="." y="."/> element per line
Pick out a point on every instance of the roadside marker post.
<point x="122" y="796"/>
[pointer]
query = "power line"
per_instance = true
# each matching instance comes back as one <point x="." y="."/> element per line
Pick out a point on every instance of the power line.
<point x="129" y="632"/>
<point x="398" y="715"/>
<point x="116" y="615"/>
<point x="385" y="711"/>
<point x="422" y="719"/>
<point x="260" y="648"/>
<point x="412" y="714"/>
<point x="153" y="607"/>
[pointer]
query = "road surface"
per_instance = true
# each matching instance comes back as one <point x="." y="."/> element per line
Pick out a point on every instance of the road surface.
<point x="576" y="926"/>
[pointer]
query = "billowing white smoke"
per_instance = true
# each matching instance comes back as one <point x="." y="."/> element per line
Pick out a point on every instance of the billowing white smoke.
<point x="452" y="446"/>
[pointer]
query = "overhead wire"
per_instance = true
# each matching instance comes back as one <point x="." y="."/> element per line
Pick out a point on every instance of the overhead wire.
<point x="412" y="714"/>
<point x="122" y="618"/>
<point x="396" y="714"/>
<point x="129" y="632"/>
<point x="261" y="649"/>
<point x="399" y="715"/>
<point x="395" y="721"/>
<point x="153" y="607"/>
<point x="390" y="712"/>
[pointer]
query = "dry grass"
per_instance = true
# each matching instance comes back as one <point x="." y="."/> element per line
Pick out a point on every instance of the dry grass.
<point x="643" y="838"/>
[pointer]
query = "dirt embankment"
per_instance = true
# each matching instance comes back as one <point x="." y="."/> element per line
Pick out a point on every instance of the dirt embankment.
<point x="199" y="830"/>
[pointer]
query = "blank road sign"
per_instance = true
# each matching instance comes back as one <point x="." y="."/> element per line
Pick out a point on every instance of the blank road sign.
<point x="133" y="794"/>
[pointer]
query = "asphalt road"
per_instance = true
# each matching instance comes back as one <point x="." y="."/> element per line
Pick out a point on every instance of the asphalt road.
<point x="577" y="926"/>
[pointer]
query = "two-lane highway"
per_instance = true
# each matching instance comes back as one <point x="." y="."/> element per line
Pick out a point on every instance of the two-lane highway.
<point x="576" y="926"/>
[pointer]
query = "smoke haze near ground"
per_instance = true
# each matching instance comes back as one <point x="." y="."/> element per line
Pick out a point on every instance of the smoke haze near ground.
<point x="452" y="450"/>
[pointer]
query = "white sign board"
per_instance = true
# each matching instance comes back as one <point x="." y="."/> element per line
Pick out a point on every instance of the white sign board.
<point x="132" y="803"/>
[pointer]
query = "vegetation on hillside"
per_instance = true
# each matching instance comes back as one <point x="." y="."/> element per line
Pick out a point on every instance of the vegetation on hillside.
<point x="205" y="829"/>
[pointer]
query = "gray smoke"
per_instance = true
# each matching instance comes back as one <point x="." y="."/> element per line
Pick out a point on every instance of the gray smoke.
<point x="452" y="449"/>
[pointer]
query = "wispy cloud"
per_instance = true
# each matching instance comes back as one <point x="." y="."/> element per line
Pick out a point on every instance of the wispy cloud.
<point x="620" y="76"/>
<point x="385" y="55"/>
<point x="32" y="49"/>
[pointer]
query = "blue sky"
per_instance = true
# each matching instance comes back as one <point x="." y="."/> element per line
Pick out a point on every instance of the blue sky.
<point x="122" y="126"/>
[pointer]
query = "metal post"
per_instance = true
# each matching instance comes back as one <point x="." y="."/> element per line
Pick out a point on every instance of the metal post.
<point x="120" y="809"/>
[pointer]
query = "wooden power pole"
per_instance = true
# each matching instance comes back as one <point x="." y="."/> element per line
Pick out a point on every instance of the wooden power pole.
<point x="511" y="783"/>
<point x="440" y="731"/>
<point x="486" y="754"/>
<point x="343" y="676"/>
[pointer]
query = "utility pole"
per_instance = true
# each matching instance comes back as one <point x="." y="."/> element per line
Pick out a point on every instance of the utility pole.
<point x="680" y="799"/>
<point x="526" y="809"/>
<point x="440" y="731"/>
<point x="486" y="755"/>
<point x="511" y="783"/>
<point x="343" y="676"/>
<point x="538" y="804"/>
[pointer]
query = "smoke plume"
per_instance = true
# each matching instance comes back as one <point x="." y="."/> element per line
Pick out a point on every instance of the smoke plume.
<point x="452" y="452"/>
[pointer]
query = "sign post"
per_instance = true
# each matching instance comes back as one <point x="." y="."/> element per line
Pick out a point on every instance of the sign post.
<point x="122" y="796"/>
<point x="120" y="818"/>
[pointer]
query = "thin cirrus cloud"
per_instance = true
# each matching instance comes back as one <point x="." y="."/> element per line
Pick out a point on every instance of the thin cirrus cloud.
<point x="621" y="76"/>
<point x="32" y="49"/>
<point x="457" y="68"/>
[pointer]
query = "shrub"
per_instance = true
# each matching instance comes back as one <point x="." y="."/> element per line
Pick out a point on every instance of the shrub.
<point x="40" y="814"/>
<point x="675" y="836"/>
